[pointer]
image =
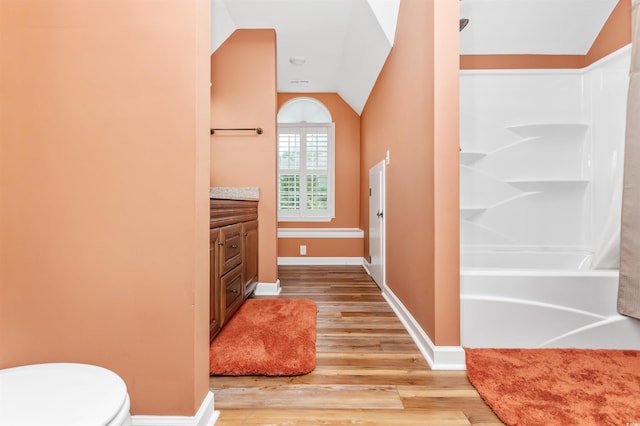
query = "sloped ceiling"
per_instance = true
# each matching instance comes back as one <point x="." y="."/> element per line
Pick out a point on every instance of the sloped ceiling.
<point x="344" y="43"/>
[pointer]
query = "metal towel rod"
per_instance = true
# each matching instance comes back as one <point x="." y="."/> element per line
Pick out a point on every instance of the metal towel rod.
<point x="258" y="130"/>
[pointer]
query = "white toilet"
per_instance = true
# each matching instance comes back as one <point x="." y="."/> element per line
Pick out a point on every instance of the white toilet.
<point x="63" y="394"/>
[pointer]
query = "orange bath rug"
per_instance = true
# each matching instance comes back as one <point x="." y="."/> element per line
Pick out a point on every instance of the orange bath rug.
<point x="558" y="386"/>
<point x="267" y="337"/>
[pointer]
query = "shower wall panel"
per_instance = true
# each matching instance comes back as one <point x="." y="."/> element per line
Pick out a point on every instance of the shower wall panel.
<point x="538" y="152"/>
<point x="608" y="84"/>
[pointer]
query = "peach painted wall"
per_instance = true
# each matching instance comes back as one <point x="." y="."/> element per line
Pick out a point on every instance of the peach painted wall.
<point x="413" y="112"/>
<point x="347" y="163"/>
<point x="104" y="119"/>
<point x="479" y="62"/>
<point x="321" y="247"/>
<point x="243" y="94"/>
<point x="615" y="33"/>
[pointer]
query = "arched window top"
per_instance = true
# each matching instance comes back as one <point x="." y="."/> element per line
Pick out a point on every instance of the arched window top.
<point x="304" y="110"/>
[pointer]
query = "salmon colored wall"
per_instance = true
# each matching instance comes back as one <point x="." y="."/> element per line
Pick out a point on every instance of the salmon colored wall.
<point x="103" y="180"/>
<point x="480" y="62"/>
<point x="615" y="33"/>
<point x="321" y="247"/>
<point x="347" y="163"/>
<point x="413" y="112"/>
<point x="243" y="94"/>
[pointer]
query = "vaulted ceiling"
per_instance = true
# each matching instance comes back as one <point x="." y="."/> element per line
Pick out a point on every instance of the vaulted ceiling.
<point x="341" y="45"/>
<point x="323" y="45"/>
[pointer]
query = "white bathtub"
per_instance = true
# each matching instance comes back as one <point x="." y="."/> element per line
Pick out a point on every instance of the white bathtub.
<point x="531" y="299"/>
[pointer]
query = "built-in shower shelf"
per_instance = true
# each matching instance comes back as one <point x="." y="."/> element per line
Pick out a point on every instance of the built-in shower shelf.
<point x="467" y="158"/>
<point x="467" y="213"/>
<point x="539" y="185"/>
<point x="566" y="130"/>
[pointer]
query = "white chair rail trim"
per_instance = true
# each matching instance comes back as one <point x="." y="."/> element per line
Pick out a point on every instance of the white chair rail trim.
<point x="319" y="261"/>
<point x="320" y="233"/>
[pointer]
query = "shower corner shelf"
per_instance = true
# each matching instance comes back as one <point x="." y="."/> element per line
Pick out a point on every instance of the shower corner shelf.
<point x="544" y="129"/>
<point x="468" y="213"/>
<point x="467" y="158"/>
<point x="539" y="185"/>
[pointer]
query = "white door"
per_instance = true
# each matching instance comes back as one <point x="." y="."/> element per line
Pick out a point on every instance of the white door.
<point x="376" y="223"/>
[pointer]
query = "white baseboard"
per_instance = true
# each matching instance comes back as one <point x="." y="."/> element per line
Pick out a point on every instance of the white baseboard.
<point x="366" y="266"/>
<point x="303" y="260"/>
<point x="267" y="289"/>
<point x="206" y="416"/>
<point x="438" y="357"/>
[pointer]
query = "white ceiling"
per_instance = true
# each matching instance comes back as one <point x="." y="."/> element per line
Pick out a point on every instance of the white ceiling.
<point x="346" y="42"/>
<point x="551" y="27"/>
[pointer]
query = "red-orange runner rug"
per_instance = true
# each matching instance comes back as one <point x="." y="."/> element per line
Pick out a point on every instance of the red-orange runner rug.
<point x="558" y="386"/>
<point x="268" y="337"/>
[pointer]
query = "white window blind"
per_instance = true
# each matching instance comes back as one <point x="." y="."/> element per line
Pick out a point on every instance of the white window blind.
<point x="305" y="172"/>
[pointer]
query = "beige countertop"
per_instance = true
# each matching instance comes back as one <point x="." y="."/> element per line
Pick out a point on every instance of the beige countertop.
<point x="234" y="193"/>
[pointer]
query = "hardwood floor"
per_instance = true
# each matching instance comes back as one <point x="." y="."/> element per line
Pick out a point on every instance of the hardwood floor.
<point x="368" y="371"/>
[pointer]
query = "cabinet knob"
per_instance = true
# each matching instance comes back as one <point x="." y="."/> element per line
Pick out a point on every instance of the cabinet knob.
<point x="235" y="246"/>
<point x="246" y="234"/>
<point x="221" y="243"/>
<point x="234" y="291"/>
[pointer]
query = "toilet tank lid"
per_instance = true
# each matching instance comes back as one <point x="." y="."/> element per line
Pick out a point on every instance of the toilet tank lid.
<point x="60" y="393"/>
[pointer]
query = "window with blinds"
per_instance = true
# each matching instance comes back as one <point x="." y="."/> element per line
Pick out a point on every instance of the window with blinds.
<point x="305" y="172"/>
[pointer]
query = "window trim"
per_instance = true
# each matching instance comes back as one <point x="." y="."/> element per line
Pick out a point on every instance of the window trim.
<point x="306" y="215"/>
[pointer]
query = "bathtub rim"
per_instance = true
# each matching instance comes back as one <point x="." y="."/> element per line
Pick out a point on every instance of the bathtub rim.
<point x="510" y="250"/>
<point x="523" y="272"/>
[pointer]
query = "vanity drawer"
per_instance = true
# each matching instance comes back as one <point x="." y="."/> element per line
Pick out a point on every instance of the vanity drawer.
<point x="226" y="212"/>
<point x="232" y="283"/>
<point x="231" y="248"/>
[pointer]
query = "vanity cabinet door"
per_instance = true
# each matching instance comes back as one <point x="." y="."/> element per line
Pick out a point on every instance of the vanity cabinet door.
<point x="215" y="309"/>
<point x="250" y="256"/>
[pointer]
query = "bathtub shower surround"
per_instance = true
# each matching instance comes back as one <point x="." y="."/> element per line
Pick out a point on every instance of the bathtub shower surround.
<point x="540" y="155"/>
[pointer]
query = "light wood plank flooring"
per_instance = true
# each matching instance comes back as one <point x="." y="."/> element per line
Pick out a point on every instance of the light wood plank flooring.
<point x="368" y="372"/>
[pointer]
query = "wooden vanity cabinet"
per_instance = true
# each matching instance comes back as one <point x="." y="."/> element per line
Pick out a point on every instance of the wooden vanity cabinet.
<point x="234" y="258"/>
